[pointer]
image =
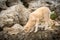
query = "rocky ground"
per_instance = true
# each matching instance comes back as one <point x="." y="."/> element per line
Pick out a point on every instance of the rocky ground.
<point x="14" y="15"/>
<point x="40" y="35"/>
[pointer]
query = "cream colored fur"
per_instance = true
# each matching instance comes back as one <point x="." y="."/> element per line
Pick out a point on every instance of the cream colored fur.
<point x="35" y="18"/>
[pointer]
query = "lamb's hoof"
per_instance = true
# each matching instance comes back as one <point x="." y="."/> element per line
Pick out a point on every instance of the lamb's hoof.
<point x="35" y="31"/>
<point x="48" y="28"/>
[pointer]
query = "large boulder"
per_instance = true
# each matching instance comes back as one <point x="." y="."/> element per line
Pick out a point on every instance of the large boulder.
<point x="14" y="14"/>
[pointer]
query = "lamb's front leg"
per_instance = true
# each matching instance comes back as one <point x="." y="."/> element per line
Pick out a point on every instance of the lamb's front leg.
<point x="36" y="25"/>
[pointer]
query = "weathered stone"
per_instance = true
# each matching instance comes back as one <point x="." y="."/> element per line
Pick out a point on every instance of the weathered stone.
<point x="15" y="29"/>
<point x="13" y="2"/>
<point x="15" y="14"/>
<point x="57" y="11"/>
<point x="3" y="5"/>
<point x="40" y="35"/>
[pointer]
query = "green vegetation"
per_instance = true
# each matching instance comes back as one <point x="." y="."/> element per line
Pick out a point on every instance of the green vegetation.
<point x="53" y="15"/>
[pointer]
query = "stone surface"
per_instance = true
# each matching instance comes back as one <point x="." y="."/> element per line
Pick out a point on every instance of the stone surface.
<point x="3" y="5"/>
<point x="13" y="2"/>
<point x="40" y="35"/>
<point x="13" y="15"/>
<point x="14" y="30"/>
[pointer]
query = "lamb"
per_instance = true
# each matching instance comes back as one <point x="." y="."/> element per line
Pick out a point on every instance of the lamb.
<point x="40" y="16"/>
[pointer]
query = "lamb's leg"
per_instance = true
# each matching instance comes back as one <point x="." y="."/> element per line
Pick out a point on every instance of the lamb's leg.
<point x="37" y="25"/>
<point x="46" y="19"/>
<point x="46" y="25"/>
<point x="36" y="28"/>
<point x="49" y="24"/>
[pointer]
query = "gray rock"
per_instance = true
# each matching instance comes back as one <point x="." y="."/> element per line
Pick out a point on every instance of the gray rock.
<point x="14" y="30"/>
<point x="40" y="35"/>
<point x="34" y="4"/>
<point x="57" y="11"/>
<point x="3" y="4"/>
<point x="14" y="14"/>
<point x="13" y="2"/>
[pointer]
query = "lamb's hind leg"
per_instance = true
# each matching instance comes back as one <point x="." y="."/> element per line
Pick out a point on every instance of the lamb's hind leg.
<point x="49" y="24"/>
<point x="46" y="25"/>
<point x="46" y="20"/>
